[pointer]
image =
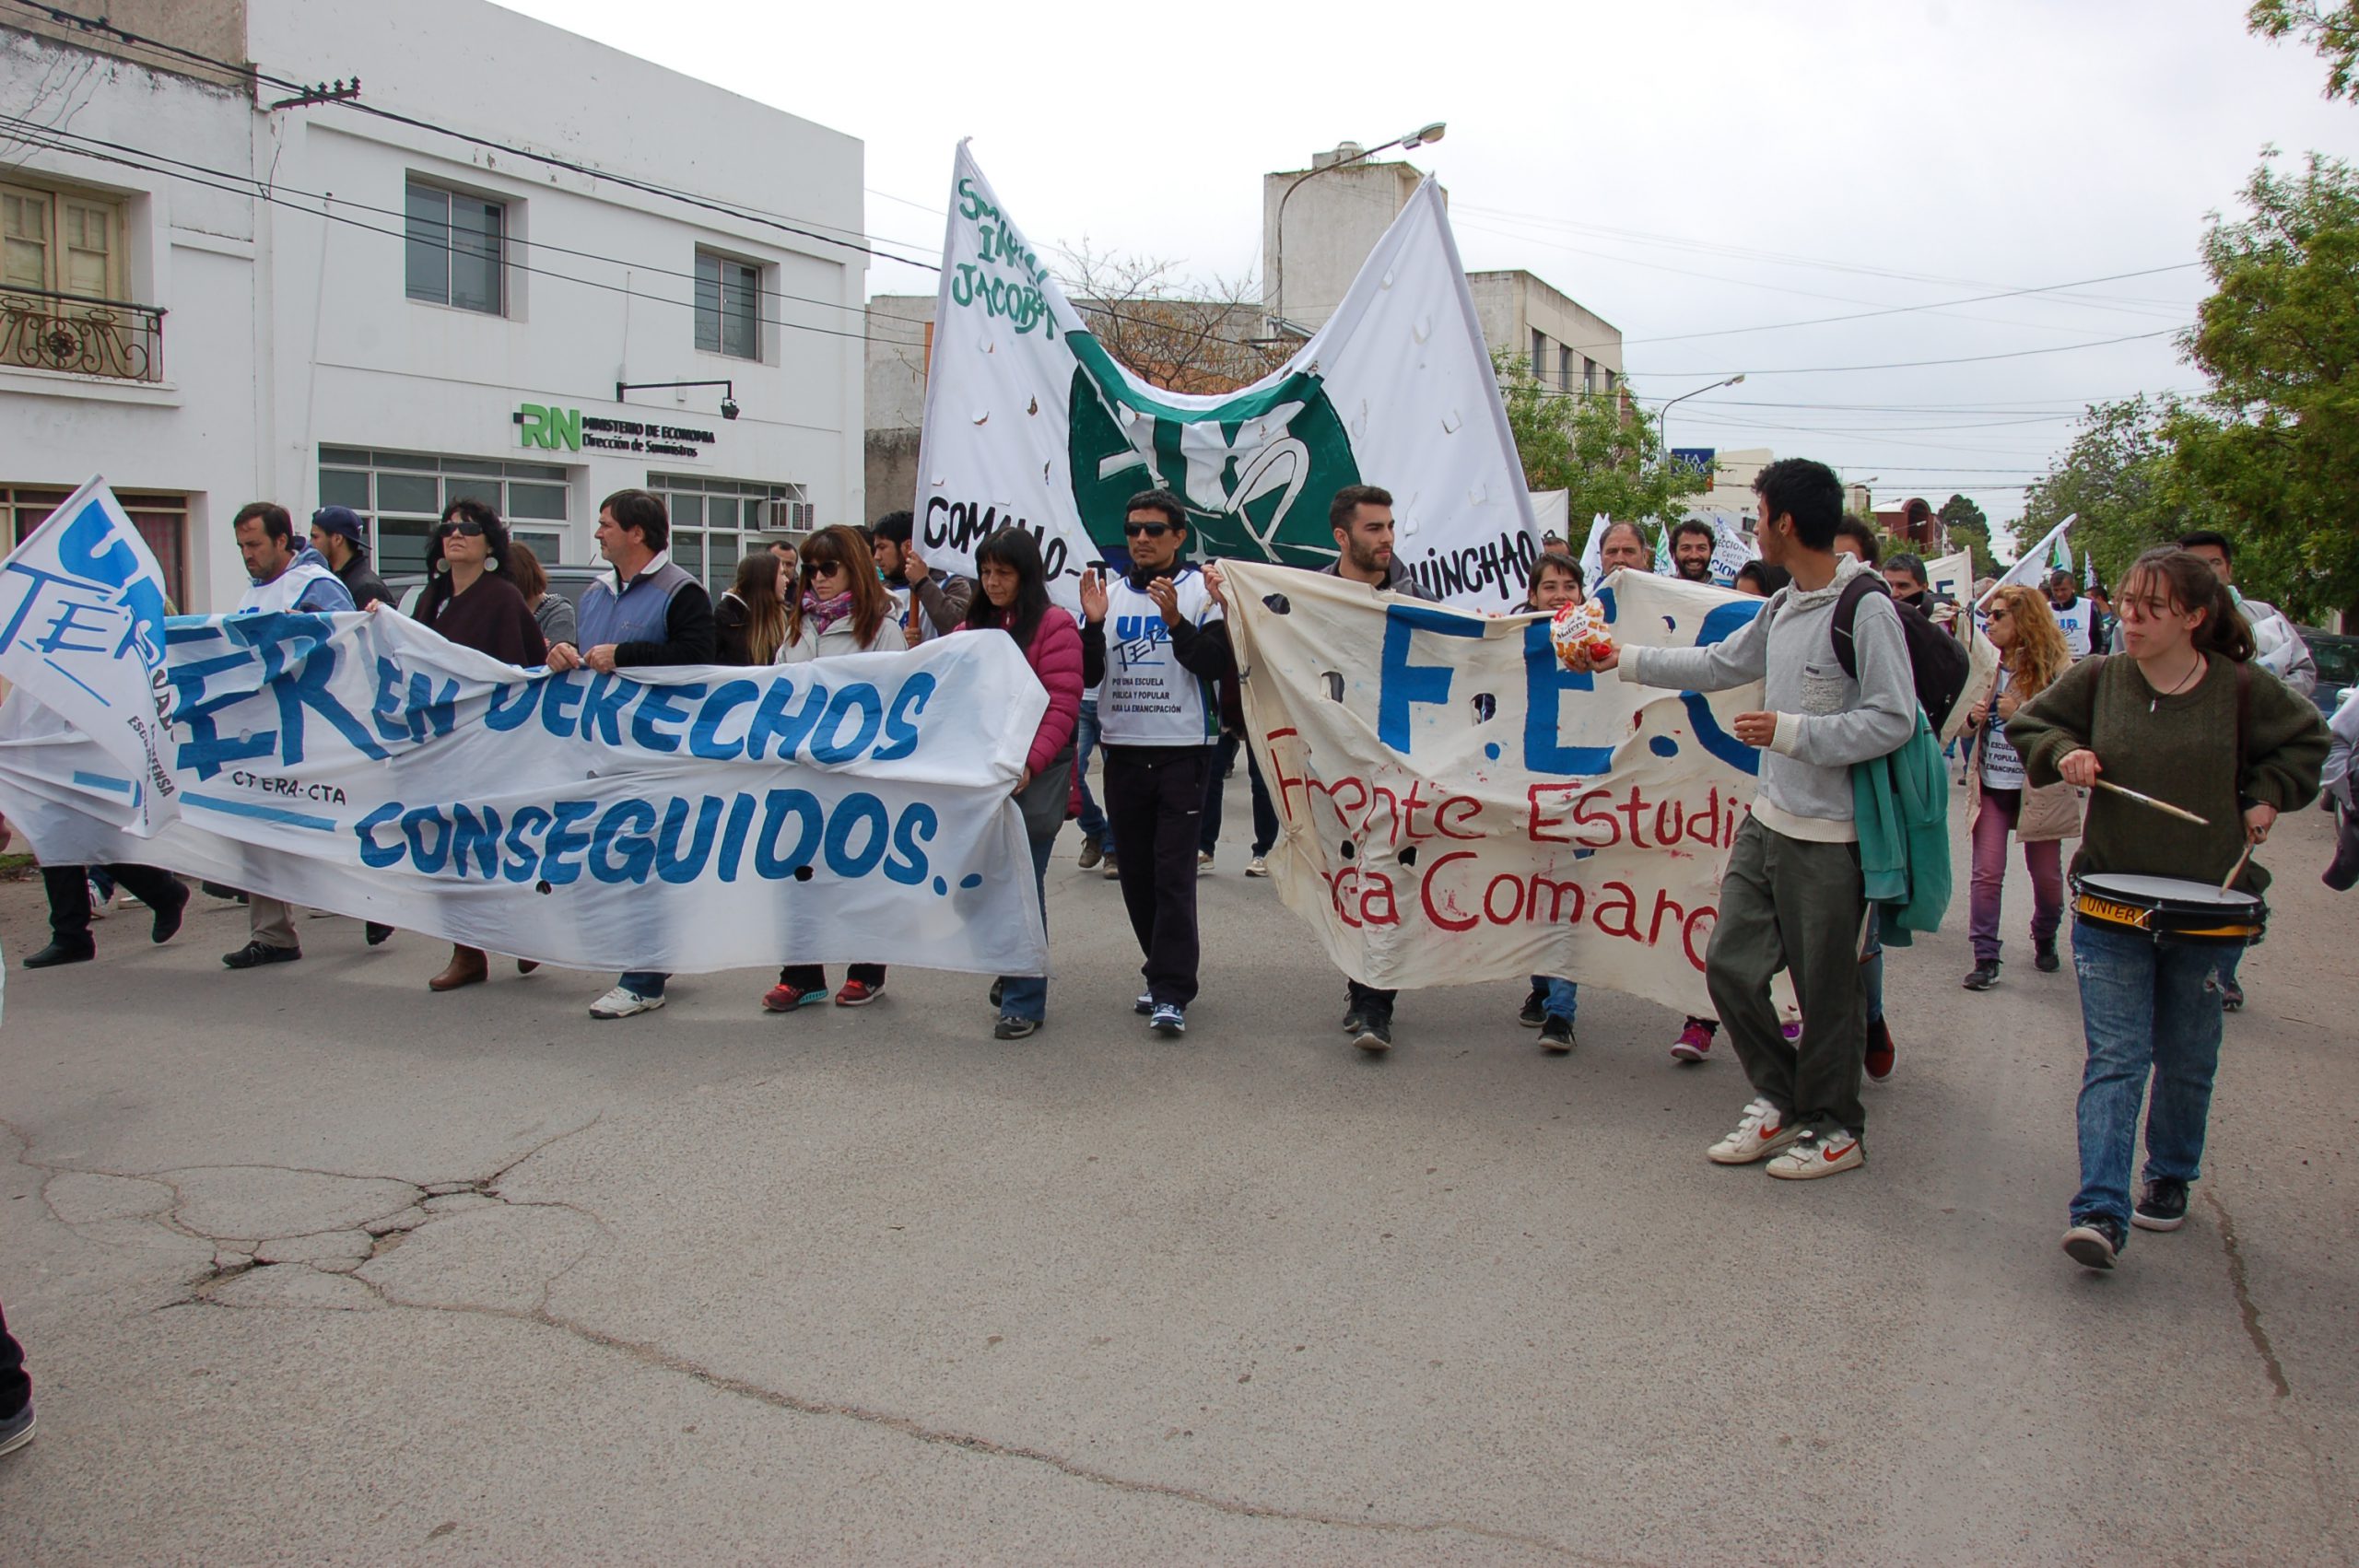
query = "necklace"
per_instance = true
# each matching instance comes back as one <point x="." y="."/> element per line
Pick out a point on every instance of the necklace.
<point x="2192" y="671"/>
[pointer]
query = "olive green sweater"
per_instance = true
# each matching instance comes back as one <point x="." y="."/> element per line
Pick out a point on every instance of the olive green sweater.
<point x="2182" y="750"/>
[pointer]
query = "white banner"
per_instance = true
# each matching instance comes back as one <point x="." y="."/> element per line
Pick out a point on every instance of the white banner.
<point x="1028" y="421"/>
<point x="1952" y="575"/>
<point x="2031" y="568"/>
<point x="1457" y="806"/>
<point x="82" y="620"/>
<point x="678" y="819"/>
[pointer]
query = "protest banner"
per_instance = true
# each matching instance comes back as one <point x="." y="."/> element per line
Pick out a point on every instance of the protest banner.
<point x="1952" y="575"/>
<point x="82" y="616"/>
<point x="1029" y="422"/>
<point x="1457" y="806"/>
<point x="2031" y="568"/>
<point x="685" y="819"/>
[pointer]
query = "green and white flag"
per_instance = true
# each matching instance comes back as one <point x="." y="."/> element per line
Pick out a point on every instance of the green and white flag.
<point x="1030" y="421"/>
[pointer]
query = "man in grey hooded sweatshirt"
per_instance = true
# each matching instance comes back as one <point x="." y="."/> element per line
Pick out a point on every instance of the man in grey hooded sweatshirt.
<point x="1791" y="897"/>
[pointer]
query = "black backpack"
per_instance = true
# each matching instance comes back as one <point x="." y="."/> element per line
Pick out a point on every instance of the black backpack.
<point x="1937" y="662"/>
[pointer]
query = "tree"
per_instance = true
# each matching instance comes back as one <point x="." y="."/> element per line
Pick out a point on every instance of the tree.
<point x="1969" y="526"/>
<point x="1604" y="449"/>
<point x="2117" y="477"/>
<point x="2333" y="30"/>
<point x="1186" y="338"/>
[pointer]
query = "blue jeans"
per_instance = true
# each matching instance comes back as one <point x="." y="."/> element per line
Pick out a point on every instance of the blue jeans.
<point x="2147" y="1012"/>
<point x="1871" y="963"/>
<point x="1026" y="996"/>
<point x="645" y="982"/>
<point x="1092" y="816"/>
<point x="1564" y="997"/>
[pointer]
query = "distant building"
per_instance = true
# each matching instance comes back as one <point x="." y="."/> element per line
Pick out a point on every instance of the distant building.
<point x="1915" y="522"/>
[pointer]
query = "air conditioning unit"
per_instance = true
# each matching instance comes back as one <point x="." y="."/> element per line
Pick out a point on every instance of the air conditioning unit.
<point x="794" y="517"/>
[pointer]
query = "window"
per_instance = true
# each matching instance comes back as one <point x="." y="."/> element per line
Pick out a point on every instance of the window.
<point x="729" y="305"/>
<point x="162" y="522"/>
<point x="1589" y="374"/>
<point x="1539" y="354"/>
<point x="62" y="241"/>
<point x="455" y="249"/>
<point x="1564" y="366"/>
<point x="711" y="519"/>
<point x="401" y="495"/>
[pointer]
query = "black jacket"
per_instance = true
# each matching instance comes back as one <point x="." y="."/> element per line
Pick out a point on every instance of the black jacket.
<point x="365" y="586"/>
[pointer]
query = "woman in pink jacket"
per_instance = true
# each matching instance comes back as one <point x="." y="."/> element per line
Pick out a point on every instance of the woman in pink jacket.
<point x="1014" y="600"/>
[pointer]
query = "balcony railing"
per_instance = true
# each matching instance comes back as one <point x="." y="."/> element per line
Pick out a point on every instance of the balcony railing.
<point x="45" y="331"/>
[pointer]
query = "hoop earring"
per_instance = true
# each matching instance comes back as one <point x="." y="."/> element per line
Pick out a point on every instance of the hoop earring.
<point x="491" y="563"/>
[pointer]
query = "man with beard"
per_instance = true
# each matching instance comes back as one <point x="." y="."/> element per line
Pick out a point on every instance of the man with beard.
<point x="1624" y="545"/>
<point x="1692" y="543"/>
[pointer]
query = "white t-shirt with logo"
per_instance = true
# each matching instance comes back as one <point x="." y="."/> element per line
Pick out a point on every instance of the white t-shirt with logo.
<point x="1149" y="698"/>
<point x="2075" y="624"/>
<point x="2002" y="768"/>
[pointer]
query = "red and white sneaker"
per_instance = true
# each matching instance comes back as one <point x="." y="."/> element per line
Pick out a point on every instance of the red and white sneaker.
<point x="1761" y="1134"/>
<point x="1695" y="1042"/>
<point x="859" y="993"/>
<point x="1816" y="1155"/>
<point x="786" y="998"/>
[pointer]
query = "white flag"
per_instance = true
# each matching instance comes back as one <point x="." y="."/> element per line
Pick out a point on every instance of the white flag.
<point x="1030" y="422"/>
<point x="2032" y="565"/>
<point x="82" y="629"/>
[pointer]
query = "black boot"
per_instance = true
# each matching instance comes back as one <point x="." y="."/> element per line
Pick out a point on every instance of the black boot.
<point x="58" y="952"/>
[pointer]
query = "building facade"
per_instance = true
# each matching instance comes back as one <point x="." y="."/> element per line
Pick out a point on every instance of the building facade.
<point x="412" y="310"/>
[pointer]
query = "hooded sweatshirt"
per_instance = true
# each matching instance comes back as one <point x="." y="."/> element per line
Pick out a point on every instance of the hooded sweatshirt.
<point x="1827" y="719"/>
<point x="306" y="584"/>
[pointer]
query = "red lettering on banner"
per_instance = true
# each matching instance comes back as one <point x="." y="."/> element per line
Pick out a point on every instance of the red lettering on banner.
<point x="1624" y="902"/>
<point x="1537" y="828"/>
<point x="1712" y="917"/>
<point x="1455" y="920"/>
<point x="1473" y="809"/>
<point x="1584" y="817"/>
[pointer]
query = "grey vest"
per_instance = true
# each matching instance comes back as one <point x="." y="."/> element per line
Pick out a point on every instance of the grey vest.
<point x="639" y="615"/>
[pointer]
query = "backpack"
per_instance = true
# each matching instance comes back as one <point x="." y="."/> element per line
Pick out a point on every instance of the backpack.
<point x="1937" y="662"/>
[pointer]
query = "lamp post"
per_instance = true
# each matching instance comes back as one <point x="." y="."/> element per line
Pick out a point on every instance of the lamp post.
<point x="1663" y="420"/>
<point x="1408" y="143"/>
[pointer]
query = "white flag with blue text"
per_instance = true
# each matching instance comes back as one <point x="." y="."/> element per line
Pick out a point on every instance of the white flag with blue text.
<point x="82" y="620"/>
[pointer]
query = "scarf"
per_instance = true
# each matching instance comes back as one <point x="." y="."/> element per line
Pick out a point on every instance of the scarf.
<point x="819" y="614"/>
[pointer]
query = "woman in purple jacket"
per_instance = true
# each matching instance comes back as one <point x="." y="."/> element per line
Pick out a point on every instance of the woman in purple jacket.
<point x="1015" y="599"/>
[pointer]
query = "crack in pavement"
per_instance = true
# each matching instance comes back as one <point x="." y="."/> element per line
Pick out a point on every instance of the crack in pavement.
<point x="2241" y="1281"/>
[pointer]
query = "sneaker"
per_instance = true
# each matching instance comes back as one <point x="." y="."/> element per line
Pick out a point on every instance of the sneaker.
<point x="1556" y="1036"/>
<point x="2043" y="956"/>
<point x="167" y="923"/>
<point x="102" y="905"/>
<point x="1695" y="1042"/>
<point x="1816" y="1155"/>
<point x="1257" y="866"/>
<point x="1011" y="1028"/>
<point x="1355" y="1022"/>
<point x="1880" y="1051"/>
<point x="1983" y="976"/>
<point x="999" y="987"/>
<point x="1762" y="1133"/>
<point x="622" y="1002"/>
<point x="1168" y="1020"/>
<point x="1144" y="1005"/>
<point x="2095" y="1242"/>
<point x="2162" y="1207"/>
<point x="2232" y="997"/>
<point x="1113" y="872"/>
<point x="786" y="998"/>
<point x="1093" y="850"/>
<point x="1535" y="1009"/>
<point x="374" y="934"/>
<point x="17" y="1430"/>
<point x="58" y="952"/>
<point x="254" y="953"/>
<point x="1374" y="1035"/>
<point x="859" y="993"/>
<point x="1204" y="862"/>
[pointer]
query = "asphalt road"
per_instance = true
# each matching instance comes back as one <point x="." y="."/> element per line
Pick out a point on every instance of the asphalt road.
<point x="313" y="1265"/>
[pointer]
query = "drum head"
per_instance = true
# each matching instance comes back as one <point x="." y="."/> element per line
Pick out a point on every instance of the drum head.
<point x="2165" y="889"/>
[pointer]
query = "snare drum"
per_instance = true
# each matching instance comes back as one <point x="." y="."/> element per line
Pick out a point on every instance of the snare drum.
<point x="2168" y="908"/>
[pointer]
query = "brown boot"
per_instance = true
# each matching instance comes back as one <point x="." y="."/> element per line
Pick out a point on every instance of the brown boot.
<point x="468" y="967"/>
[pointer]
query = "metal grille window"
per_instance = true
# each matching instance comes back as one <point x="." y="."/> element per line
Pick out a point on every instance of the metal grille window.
<point x="62" y="282"/>
<point x="729" y="305"/>
<point x="455" y="249"/>
<point x="161" y="518"/>
<point x="711" y="519"/>
<point x="401" y="496"/>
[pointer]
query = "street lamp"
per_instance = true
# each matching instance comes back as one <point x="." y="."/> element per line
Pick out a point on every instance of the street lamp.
<point x="1408" y="143"/>
<point x="1663" y="420"/>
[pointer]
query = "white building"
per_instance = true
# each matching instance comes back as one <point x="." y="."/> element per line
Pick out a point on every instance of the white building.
<point x="412" y="313"/>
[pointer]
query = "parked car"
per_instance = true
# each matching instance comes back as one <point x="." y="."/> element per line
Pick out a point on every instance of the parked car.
<point x="2338" y="657"/>
<point x="570" y="581"/>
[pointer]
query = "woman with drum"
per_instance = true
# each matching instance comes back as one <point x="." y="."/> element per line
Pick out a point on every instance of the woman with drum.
<point x="2192" y="752"/>
<point x="2031" y="655"/>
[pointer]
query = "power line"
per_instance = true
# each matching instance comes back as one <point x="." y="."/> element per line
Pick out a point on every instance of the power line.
<point x="1904" y="310"/>
<point x="1918" y="364"/>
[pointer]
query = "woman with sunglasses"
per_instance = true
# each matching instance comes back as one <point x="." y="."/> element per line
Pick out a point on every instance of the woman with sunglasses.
<point x="2032" y="654"/>
<point x="843" y="609"/>
<point x="471" y="597"/>
<point x="1013" y="598"/>
<point x="2185" y="717"/>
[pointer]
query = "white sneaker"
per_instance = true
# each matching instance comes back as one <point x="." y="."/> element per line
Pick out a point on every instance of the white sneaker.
<point x="1257" y="866"/>
<point x="1813" y="1155"/>
<point x="102" y="905"/>
<point x="1761" y="1134"/>
<point x="621" y="1002"/>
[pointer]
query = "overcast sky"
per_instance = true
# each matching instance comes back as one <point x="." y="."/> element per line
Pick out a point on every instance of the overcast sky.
<point x="1678" y="169"/>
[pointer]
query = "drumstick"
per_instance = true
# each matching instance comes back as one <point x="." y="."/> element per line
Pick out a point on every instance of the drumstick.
<point x="2158" y="805"/>
<point x="2237" y="870"/>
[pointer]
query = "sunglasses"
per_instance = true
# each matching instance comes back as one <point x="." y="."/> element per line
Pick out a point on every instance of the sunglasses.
<point x="1152" y="530"/>
<point x="466" y="526"/>
<point x="822" y="569"/>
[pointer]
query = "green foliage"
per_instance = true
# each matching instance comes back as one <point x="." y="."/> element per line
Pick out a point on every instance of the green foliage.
<point x="1605" y="450"/>
<point x="2267" y="454"/>
<point x="1969" y="526"/>
<point x="2333" y="30"/>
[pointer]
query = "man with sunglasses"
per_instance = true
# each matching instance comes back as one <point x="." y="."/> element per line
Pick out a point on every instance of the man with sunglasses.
<point x="648" y="612"/>
<point x="1160" y="723"/>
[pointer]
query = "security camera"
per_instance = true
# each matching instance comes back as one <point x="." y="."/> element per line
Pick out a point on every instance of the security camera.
<point x="729" y="408"/>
